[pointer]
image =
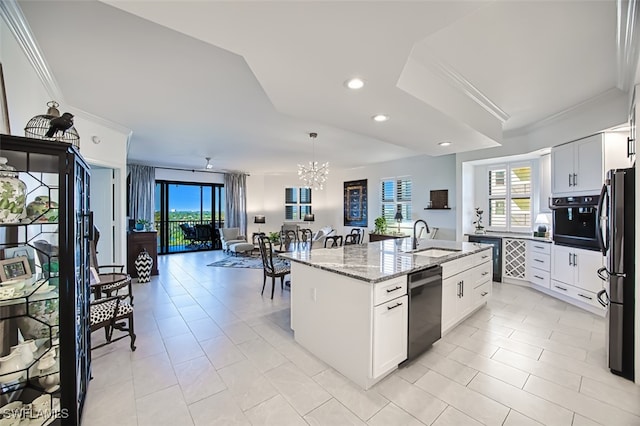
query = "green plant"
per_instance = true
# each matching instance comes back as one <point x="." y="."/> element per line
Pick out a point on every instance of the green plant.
<point x="380" y="225"/>
<point x="274" y="237"/>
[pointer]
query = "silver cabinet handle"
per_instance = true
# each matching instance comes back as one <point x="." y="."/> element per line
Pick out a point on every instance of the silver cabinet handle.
<point x="389" y="290"/>
<point x="575" y="179"/>
<point x="459" y="291"/>
<point x="570" y="184"/>
<point x="586" y="297"/>
<point x="538" y="260"/>
<point x="539" y="247"/>
<point x="538" y="277"/>
<point x="485" y="273"/>
<point x="484" y="293"/>
<point x="560" y="288"/>
<point x="569" y="259"/>
<point x="462" y="287"/>
<point x="575" y="262"/>
<point x="485" y="256"/>
<point x="394" y="306"/>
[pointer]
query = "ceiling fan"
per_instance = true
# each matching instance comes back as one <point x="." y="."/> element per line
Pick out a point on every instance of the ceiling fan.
<point x="208" y="166"/>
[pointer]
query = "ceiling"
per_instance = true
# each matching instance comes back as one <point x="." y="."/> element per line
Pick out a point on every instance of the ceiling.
<point x="245" y="82"/>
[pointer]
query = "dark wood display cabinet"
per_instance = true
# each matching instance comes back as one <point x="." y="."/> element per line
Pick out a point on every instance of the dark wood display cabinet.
<point x="136" y="242"/>
<point x="45" y="357"/>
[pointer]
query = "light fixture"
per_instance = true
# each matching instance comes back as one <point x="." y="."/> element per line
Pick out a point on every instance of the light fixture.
<point x="444" y="143"/>
<point x="380" y="118"/>
<point x="354" y="83"/>
<point x="259" y="218"/>
<point x="398" y="217"/>
<point x="542" y="221"/>
<point x="208" y="166"/>
<point x="309" y="217"/>
<point x="314" y="175"/>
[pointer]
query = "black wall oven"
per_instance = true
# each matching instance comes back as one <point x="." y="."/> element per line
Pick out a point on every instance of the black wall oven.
<point x="575" y="221"/>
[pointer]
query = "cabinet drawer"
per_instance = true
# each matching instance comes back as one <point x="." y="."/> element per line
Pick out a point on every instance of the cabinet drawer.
<point x="540" y="278"/>
<point x="576" y="293"/>
<point x="387" y="290"/>
<point x="541" y="261"/>
<point x="482" y="293"/>
<point x="456" y="266"/>
<point x="482" y="273"/>
<point x="544" y="248"/>
<point x="482" y="257"/>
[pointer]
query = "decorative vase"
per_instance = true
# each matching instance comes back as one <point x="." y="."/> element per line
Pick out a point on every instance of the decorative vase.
<point x="12" y="194"/>
<point x="26" y="349"/>
<point x="42" y="209"/>
<point x="11" y="367"/>
<point x="144" y="263"/>
<point x="139" y="226"/>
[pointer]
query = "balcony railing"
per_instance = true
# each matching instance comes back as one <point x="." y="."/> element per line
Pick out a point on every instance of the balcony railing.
<point x="178" y="241"/>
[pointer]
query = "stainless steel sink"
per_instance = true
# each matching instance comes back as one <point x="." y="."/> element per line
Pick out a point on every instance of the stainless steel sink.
<point x="434" y="252"/>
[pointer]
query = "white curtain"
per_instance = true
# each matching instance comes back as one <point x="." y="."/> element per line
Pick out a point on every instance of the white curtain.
<point x="235" y="203"/>
<point x="141" y="192"/>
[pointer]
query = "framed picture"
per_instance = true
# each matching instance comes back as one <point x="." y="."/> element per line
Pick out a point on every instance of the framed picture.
<point x="355" y="203"/>
<point x="15" y="268"/>
<point x="21" y="251"/>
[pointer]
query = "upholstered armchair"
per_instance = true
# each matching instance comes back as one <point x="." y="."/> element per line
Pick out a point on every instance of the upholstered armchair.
<point x="229" y="236"/>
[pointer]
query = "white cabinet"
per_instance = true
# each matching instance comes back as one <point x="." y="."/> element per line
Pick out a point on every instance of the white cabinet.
<point x="577" y="167"/>
<point x="514" y="264"/>
<point x="539" y="263"/>
<point x="574" y="273"/>
<point x="466" y="285"/>
<point x="389" y="334"/>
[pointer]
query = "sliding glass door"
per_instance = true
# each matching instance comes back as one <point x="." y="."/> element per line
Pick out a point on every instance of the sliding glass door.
<point x="188" y="216"/>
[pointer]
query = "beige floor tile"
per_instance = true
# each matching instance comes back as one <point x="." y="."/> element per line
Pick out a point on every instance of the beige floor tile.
<point x="627" y="399"/>
<point x="363" y="403"/>
<point x="558" y="346"/>
<point x="470" y="402"/>
<point x="218" y="409"/>
<point x="221" y="351"/>
<point x="443" y="347"/>
<point x="514" y="346"/>
<point x="182" y="348"/>
<point x="516" y="419"/>
<point x="582" y="404"/>
<point x="491" y="367"/>
<point x="302" y="358"/>
<point x="453" y="417"/>
<point x="332" y="413"/>
<point x="152" y="374"/>
<point x="192" y="312"/>
<point x="273" y="334"/>
<point x="297" y="388"/>
<point x="412" y="371"/>
<point x="183" y="301"/>
<point x="541" y="369"/>
<point x="274" y="412"/>
<point x="391" y="414"/>
<point x="173" y="326"/>
<point x="165" y="407"/>
<point x="110" y="370"/>
<point x="198" y="379"/>
<point x="411" y="399"/>
<point x="530" y="405"/>
<point x="239" y="332"/>
<point x="246" y="384"/>
<point x="579" y="420"/>
<point x="447" y="367"/>
<point x="263" y="356"/>
<point x="204" y="329"/>
<point x="111" y="405"/>
<point x="478" y="346"/>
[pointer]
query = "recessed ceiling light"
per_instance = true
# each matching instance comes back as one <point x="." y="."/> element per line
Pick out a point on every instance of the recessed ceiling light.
<point x="380" y="118"/>
<point x="444" y="143"/>
<point x="355" y="83"/>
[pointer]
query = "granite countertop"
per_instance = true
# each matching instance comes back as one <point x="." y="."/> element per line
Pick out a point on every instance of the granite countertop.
<point x="380" y="261"/>
<point x="527" y="236"/>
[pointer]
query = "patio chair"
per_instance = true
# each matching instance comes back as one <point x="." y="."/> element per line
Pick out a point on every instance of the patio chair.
<point x="189" y="233"/>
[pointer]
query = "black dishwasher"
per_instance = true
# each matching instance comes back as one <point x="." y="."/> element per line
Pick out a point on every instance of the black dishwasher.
<point x="496" y="242"/>
<point x="425" y="310"/>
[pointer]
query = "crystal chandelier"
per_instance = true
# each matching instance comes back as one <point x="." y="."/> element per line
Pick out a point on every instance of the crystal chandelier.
<point x="315" y="174"/>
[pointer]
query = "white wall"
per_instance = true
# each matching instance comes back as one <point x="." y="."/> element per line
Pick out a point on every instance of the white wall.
<point x="266" y="194"/>
<point x="188" y="176"/>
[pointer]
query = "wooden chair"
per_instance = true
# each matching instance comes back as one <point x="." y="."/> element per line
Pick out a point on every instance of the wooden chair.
<point x="287" y="238"/>
<point x="271" y="268"/>
<point x="351" y="239"/>
<point x="306" y="235"/>
<point x="359" y="232"/>
<point x="333" y="241"/>
<point x="112" y="313"/>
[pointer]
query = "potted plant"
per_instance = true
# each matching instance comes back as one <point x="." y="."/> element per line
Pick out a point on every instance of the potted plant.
<point x="478" y="221"/>
<point x="380" y="225"/>
<point x="274" y="237"/>
<point x="143" y="224"/>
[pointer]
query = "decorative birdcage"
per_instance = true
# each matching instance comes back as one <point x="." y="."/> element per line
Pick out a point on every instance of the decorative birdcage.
<point x="38" y="127"/>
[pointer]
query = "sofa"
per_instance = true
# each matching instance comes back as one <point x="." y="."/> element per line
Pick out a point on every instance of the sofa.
<point x="320" y="235"/>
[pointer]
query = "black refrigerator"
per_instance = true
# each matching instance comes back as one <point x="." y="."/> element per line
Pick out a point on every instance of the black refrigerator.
<point x="617" y="240"/>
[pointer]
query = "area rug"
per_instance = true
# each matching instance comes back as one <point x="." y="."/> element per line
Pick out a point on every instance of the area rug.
<point x="241" y="261"/>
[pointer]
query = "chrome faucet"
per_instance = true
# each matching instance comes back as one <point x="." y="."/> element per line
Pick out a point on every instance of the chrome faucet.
<point x="415" y="239"/>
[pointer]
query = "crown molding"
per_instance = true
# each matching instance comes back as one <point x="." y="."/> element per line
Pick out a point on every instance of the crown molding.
<point x="627" y="43"/>
<point x="464" y="86"/>
<point x="14" y="18"/>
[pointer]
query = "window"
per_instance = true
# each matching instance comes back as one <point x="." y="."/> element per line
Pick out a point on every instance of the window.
<point x="395" y="195"/>
<point x="510" y="197"/>
<point x="297" y="203"/>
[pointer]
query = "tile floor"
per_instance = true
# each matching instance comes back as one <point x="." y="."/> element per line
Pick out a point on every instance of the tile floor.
<point x="212" y="351"/>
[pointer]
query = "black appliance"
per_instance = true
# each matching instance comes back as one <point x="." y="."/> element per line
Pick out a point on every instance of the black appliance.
<point x="425" y="310"/>
<point x="496" y="242"/>
<point x="617" y="238"/>
<point x="575" y="221"/>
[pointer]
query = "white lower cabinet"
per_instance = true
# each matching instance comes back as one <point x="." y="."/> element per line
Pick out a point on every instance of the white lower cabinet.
<point x="573" y="273"/>
<point x="539" y="263"/>
<point x="466" y="285"/>
<point x="390" y="325"/>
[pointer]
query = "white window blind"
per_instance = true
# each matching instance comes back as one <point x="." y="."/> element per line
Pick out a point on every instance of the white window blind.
<point x="395" y="195"/>
<point x="297" y="203"/>
<point x="510" y="196"/>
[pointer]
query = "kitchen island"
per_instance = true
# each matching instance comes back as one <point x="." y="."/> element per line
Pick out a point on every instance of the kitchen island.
<point x="350" y="306"/>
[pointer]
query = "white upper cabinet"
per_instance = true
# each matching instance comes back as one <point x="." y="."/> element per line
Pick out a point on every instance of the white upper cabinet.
<point x="577" y="167"/>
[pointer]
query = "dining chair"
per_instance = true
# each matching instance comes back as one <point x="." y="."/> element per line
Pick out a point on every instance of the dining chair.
<point x="359" y="232"/>
<point x="287" y="238"/>
<point x="306" y="235"/>
<point x="333" y="241"/>
<point x="351" y="239"/>
<point x="112" y="313"/>
<point x="271" y="268"/>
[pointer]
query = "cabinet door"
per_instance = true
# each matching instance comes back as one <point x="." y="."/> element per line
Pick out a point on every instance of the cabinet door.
<point x="390" y="327"/>
<point x="587" y="263"/>
<point x="588" y="164"/>
<point x="450" y="298"/>
<point x="562" y="264"/>
<point x="465" y="302"/>
<point x="515" y="258"/>
<point x="562" y="169"/>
